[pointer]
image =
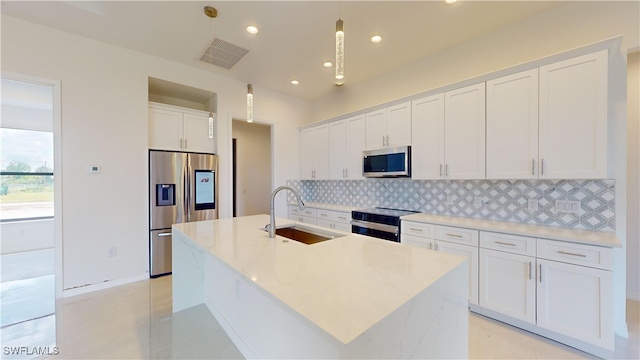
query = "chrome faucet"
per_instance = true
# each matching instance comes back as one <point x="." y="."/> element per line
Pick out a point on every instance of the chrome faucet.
<point x="272" y="221"/>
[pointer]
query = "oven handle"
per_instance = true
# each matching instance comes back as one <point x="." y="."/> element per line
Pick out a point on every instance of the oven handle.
<point x="375" y="226"/>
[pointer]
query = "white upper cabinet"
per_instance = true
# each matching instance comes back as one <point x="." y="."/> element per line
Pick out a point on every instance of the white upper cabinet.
<point x="573" y="118"/>
<point x="389" y="127"/>
<point x="355" y="144"/>
<point x="179" y="129"/>
<point x="314" y="153"/>
<point x="512" y="126"/>
<point x="464" y="139"/>
<point x="346" y="143"/>
<point x="337" y="149"/>
<point x="427" y="140"/>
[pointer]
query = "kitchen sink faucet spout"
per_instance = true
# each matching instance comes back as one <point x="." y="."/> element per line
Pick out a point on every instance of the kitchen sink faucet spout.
<point x="272" y="221"/>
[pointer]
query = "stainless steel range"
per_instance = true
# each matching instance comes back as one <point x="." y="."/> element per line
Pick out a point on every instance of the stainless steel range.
<point x="382" y="223"/>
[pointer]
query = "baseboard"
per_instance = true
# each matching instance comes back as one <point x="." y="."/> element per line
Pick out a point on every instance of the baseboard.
<point x="633" y="296"/>
<point x="103" y="285"/>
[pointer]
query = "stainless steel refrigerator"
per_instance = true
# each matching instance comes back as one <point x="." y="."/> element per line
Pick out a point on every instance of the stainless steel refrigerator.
<point x="183" y="187"/>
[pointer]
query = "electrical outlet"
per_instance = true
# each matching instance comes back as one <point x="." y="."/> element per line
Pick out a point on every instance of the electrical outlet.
<point x="449" y="200"/>
<point x="112" y="251"/>
<point x="477" y="201"/>
<point x="567" y="206"/>
<point x="532" y="205"/>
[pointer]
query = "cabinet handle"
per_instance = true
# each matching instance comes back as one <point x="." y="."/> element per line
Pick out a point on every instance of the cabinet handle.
<point x="342" y="218"/>
<point x="572" y="254"/>
<point x="164" y="234"/>
<point x="323" y="215"/>
<point x="430" y="246"/>
<point x="446" y="170"/>
<point x="441" y="170"/>
<point x="532" y="166"/>
<point x="504" y="243"/>
<point x="454" y="235"/>
<point x="529" y="270"/>
<point x="346" y="173"/>
<point x="541" y="166"/>
<point x="540" y="272"/>
<point x="185" y="143"/>
<point x="387" y="139"/>
<point x="435" y="246"/>
<point x="180" y="143"/>
<point x="414" y="229"/>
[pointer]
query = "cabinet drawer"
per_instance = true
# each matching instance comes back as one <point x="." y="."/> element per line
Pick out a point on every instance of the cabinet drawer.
<point x="457" y="235"/>
<point x="305" y="219"/>
<point x="579" y="254"/>
<point x="310" y="212"/>
<point x="294" y="210"/>
<point x="336" y="216"/>
<point x="515" y="244"/>
<point x="417" y="229"/>
<point x="416" y="241"/>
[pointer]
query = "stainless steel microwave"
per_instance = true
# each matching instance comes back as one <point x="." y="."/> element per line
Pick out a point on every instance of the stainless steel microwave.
<point x="387" y="162"/>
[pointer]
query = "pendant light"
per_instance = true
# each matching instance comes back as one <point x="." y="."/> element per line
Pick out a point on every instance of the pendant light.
<point x="212" y="13"/>
<point x="249" y="103"/>
<point x="339" y="49"/>
<point x="249" y="86"/>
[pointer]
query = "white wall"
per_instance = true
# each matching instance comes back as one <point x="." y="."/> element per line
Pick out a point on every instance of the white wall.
<point x="20" y="236"/>
<point x="633" y="169"/>
<point x="253" y="168"/>
<point x="104" y="93"/>
<point x="568" y="26"/>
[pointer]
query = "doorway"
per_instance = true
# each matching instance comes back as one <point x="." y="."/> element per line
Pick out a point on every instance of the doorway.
<point x="251" y="168"/>
<point x="30" y="256"/>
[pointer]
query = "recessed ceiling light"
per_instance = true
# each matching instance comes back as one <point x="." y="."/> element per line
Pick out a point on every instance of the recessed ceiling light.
<point x="327" y="64"/>
<point x="295" y="82"/>
<point x="376" y="39"/>
<point x="252" y="29"/>
<point x="450" y="1"/>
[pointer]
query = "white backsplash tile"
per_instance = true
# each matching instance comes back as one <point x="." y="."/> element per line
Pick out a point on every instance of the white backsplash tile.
<point x="504" y="200"/>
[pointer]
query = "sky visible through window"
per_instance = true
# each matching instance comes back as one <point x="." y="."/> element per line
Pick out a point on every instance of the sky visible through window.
<point x="26" y="196"/>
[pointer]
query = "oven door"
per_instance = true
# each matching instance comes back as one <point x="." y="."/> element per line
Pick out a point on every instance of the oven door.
<point x="380" y="231"/>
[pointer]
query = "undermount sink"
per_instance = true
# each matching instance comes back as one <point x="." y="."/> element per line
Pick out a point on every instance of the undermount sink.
<point x="306" y="235"/>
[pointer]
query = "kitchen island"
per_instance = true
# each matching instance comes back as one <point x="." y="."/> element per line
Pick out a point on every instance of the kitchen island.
<point x="349" y="297"/>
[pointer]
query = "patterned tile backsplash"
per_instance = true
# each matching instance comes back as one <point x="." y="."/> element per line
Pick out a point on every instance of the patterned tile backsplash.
<point x="504" y="200"/>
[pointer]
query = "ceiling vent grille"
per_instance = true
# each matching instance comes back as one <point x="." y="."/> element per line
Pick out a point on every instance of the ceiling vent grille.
<point x="223" y="54"/>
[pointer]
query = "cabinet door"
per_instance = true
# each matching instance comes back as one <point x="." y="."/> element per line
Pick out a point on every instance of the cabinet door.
<point x="508" y="284"/>
<point x="417" y="241"/>
<point x="165" y="129"/>
<point x="576" y="301"/>
<point x="465" y="132"/>
<point x="337" y="149"/>
<point x="196" y="134"/>
<point x="427" y="142"/>
<point x="512" y="126"/>
<point x="355" y="144"/>
<point x="376" y="129"/>
<point x="573" y="118"/>
<point x="307" y="154"/>
<point x="322" y="152"/>
<point x="471" y="253"/>
<point x="399" y="125"/>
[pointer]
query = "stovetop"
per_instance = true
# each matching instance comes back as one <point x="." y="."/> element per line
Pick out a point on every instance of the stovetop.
<point x="387" y="212"/>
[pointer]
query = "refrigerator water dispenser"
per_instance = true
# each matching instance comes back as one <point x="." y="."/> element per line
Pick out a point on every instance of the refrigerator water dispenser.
<point x="165" y="194"/>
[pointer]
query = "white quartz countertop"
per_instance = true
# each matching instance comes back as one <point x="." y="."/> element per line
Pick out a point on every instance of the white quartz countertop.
<point x="344" y="285"/>
<point x="599" y="238"/>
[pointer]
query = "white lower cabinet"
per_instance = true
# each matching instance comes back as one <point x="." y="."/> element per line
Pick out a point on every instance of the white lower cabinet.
<point x="451" y="240"/>
<point x="508" y="284"/>
<point x="471" y="253"/>
<point x="332" y="219"/>
<point x="576" y="301"/>
<point x="546" y="283"/>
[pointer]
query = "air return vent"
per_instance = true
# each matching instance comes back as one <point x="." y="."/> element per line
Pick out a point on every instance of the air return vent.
<point x="223" y="54"/>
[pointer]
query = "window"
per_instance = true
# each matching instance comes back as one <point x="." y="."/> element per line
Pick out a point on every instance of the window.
<point x="26" y="174"/>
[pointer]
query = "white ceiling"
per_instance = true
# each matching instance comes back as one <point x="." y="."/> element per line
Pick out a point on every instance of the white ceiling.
<point x="295" y="37"/>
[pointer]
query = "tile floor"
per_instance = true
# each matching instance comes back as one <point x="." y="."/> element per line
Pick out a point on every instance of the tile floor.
<point x="135" y="321"/>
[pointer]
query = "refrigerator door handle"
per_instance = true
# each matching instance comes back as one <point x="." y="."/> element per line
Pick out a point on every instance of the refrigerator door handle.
<point x="187" y="198"/>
